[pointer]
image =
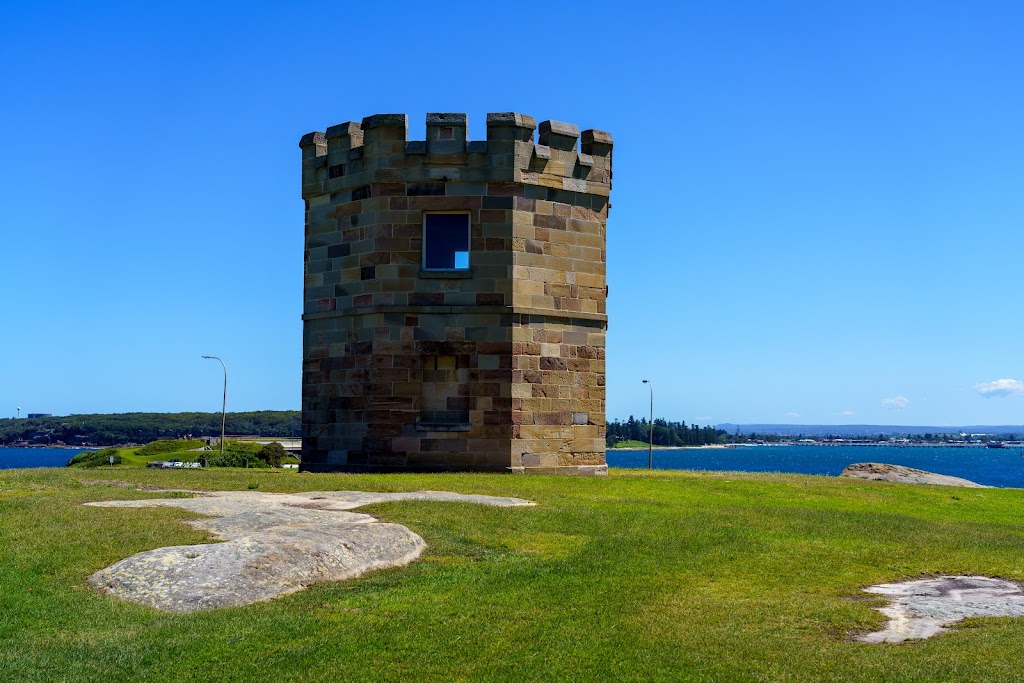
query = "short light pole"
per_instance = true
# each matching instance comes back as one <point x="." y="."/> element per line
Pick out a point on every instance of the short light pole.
<point x="224" y="405"/>
<point x="650" y="442"/>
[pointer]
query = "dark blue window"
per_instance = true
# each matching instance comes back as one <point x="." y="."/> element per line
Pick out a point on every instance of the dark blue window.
<point x="446" y="241"/>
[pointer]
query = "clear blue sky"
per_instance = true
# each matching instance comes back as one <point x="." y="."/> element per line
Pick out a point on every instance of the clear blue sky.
<point x="818" y="206"/>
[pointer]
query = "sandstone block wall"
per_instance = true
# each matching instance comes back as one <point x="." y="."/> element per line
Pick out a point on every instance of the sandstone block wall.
<point x="499" y="366"/>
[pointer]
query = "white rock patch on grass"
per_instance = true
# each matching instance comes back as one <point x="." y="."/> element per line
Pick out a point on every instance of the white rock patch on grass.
<point x="924" y="608"/>
<point x="274" y="544"/>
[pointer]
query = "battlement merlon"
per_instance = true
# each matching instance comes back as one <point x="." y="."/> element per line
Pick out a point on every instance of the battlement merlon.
<point x="377" y="150"/>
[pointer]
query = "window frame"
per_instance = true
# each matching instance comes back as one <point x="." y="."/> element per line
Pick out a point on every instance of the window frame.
<point x="469" y="241"/>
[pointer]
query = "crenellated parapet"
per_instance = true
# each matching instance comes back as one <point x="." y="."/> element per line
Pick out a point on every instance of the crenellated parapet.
<point x="555" y="155"/>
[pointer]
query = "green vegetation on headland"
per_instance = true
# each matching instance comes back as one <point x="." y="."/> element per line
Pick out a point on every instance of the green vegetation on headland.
<point x="666" y="433"/>
<point x="134" y="428"/>
<point x="236" y="454"/>
<point x="98" y="458"/>
<point x="669" y="576"/>
<point x="165" y="446"/>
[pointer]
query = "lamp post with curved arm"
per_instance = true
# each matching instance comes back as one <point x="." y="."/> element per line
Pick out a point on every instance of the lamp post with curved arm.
<point x="650" y="442"/>
<point x="224" y="405"/>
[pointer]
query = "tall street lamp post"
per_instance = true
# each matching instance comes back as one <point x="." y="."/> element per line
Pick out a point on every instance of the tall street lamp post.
<point x="650" y="442"/>
<point x="224" y="405"/>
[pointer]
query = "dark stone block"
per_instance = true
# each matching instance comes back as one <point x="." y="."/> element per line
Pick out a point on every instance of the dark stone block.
<point x="424" y="189"/>
<point x="339" y="250"/>
<point x="426" y="299"/>
<point x="498" y="202"/>
<point x="547" y="363"/>
<point x="446" y="119"/>
<point x="535" y="192"/>
<point x="549" y="222"/>
<point x="490" y="299"/>
<point x="384" y="121"/>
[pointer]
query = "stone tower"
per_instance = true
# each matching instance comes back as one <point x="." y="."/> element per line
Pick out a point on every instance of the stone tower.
<point x="454" y="296"/>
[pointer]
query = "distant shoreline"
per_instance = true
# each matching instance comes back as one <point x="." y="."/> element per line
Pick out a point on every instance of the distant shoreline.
<point x="843" y="444"/>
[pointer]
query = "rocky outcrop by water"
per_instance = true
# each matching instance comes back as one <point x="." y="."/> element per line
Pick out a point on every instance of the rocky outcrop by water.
<point x="274" y="544"/>
<point x="905" y="475"/>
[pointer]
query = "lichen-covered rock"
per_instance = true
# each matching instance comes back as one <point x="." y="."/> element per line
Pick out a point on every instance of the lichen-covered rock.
<point x="274" y="544"/>
<point x="906" y="475"/>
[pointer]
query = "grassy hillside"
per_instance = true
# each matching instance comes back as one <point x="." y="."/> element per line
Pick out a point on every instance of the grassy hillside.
<point x="126" y="428"/>
<point x="630" y="443"/>
<point x="638" y="576"/>
<point x="235" y="451"/>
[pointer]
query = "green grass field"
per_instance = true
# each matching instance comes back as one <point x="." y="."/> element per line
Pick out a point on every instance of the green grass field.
<point x="637" y="576"/>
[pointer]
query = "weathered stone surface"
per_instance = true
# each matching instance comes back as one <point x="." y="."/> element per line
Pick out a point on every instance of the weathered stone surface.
<point x="906" y="475"/>
<point x="275" y="544"/>
<point x="924" y="608"/>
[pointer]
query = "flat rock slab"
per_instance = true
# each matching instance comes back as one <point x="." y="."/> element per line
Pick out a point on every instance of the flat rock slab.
<point x="275" y="544"/>
<point x="924" y="608"/>
<point x="907" y="475"/>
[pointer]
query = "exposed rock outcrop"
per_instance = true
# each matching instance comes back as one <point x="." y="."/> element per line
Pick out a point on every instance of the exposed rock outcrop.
<point x="906" y="475"/>
<point x="924" y="608"/>
<point x="275" y="544"/>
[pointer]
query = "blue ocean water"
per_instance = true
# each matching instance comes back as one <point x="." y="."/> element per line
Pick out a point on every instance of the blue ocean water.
<point x="989" y="466"/>
<point x="36" y="457"/>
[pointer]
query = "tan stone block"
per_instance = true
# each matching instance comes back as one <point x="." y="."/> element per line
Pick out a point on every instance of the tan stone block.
<point x="537" y="301"/>
<point x="550" y="349"/>
<point x="539" y="459"/>
<point x="524" y="217"/>
<point x="524" y="231"/>
<point x="522" y="390"/>
<point x="533" y="405"/>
